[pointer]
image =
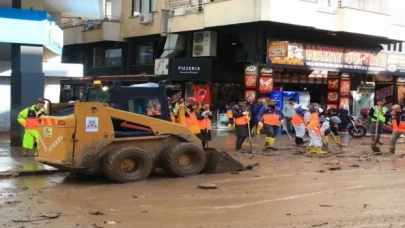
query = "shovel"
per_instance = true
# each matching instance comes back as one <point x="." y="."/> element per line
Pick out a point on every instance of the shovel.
<point x="250" y="138"/>
<point x="374" y="146"/>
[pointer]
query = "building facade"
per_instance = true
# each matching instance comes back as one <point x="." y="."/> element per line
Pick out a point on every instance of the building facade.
<point x="31" y="44"/>
<point x="242" y="47"/>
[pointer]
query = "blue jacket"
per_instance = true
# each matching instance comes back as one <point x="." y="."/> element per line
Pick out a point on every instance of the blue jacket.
<point x="254" y="109"/>
<point x="269" y="109"/>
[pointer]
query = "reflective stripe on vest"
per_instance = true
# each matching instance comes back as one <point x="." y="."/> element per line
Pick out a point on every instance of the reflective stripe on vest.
<point x="32" y="121"/>
<point x="314" y="126"/>
<point x="297" y="120"/>
<point x="381" y="114"/>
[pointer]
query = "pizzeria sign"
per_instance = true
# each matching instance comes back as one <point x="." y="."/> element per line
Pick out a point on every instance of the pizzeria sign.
<point x="302" y="55"/>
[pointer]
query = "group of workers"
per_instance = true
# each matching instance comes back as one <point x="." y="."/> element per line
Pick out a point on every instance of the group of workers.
<point x="248" y="118"/>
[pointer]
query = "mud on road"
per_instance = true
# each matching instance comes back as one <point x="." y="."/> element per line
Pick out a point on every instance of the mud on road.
<point x="350" y="189"/>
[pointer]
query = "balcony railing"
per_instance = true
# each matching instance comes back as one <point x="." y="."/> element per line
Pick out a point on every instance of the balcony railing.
<point x="377" y="6"/>
<point x="184" y="7"/>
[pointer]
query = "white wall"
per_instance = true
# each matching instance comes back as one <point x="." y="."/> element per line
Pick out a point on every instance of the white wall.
<point x="52" y="89"/>
<point x="116" y="9"/>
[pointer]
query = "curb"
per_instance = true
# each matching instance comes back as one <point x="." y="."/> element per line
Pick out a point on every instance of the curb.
<point x="5" y="175"/>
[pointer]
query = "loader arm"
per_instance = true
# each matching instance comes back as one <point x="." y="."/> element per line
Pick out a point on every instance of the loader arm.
<point x="158" y="126"/>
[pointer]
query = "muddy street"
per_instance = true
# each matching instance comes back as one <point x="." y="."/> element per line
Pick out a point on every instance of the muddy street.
<point x="350" y="189"/>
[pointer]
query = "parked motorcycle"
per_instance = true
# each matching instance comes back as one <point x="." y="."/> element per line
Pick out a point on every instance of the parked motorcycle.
<point x="356" y="130"/>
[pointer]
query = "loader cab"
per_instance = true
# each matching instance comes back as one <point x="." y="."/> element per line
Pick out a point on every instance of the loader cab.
<point x="145" y="99"/>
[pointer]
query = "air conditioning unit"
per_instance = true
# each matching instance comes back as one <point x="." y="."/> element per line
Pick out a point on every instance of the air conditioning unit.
<point x="205" y="44"/>
<point x="146" y="18"/>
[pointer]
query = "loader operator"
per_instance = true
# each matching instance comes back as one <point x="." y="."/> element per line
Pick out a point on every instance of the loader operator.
<point x="398" y="125"/>
<point x="29" y="119"/>
<point x="299" y="120"/>
<point x="155" y="110"/>
<point x="241" y="116"/>
<point x="205" y="118"/>
<point x="269" y="118"/>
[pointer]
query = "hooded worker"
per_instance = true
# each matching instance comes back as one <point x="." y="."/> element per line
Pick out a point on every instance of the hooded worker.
<point x="314" y="112"/>
<point x="269" y="118"/>
<point x="205" y="117"/>
<point x="181" y="111"/>
<point x="316" y="129"/>
<point x="299" y="120"/>
<point x="29" y="119"/>
<point x="241" y="115"/>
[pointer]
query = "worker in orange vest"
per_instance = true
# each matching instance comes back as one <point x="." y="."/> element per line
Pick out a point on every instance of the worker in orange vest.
<point x="229" y="114"/>
<point x="29" y="119"/>
<point x="397" y="117"/>
<point x="269" y="118"/>
<point x="314" y="112"/>
<point x="205" y="118"/>
<point x="191" y="117"/>
<point x="316" y="129"/>
<point x="299" y="120"/>
<point x="241" y="115"/>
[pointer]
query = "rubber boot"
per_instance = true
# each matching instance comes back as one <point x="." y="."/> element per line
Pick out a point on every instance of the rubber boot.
<point x="269" y="144"/>
<point x="273" y="140"/>
<point x="25" y="153"/>
<point x="233" y="127"/>
<point x="319" y="150"/>
<point x="326" y="139"/>
<point x="230" y="127"/>
<point x="378" y="140"/>
<point x="312" y="150"/>
<point x="259" y="129"/>
<point x="392" y="149"/>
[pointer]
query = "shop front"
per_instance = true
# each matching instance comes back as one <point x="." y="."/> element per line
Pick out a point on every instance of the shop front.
<point x="330" y="76"/>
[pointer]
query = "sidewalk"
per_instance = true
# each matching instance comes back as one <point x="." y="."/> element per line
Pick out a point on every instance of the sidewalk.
<point x="12" y="164"/>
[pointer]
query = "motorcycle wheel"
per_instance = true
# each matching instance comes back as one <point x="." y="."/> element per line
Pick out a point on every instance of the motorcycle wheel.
<point x="361" y="131"/>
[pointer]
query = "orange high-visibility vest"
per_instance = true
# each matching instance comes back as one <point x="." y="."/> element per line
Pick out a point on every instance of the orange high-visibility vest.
<point x="314" y="116"/>
<point x="192" y="123"/>
<point x="229" y="114"/>
<point x="398" y="127"/>
<point x="271" y="117"/>
<point x="315" y="127"/>
<point x="297" y="120"/>
<point x="205" y="124"/>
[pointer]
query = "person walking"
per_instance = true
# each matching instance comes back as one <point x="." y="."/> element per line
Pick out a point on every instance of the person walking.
<point x="254" y="108"/>
<point x="377" y="114"/>
<point x="205" y="118"/>
<point x="299" y="120"/>
<point x="29" y="119"/>
<point x="269" y="118"/>
<point x="288" y="112"/>
<point x="397" y="117"/>
<point x="241" y="116"/>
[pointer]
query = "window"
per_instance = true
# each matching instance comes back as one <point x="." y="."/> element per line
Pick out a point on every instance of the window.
<point x="143" y="6"/>
<point x="145" y="106"/>
<point x="98" y="57"/>
<point x="144" y="54"/>
<point x="113" y="57"/>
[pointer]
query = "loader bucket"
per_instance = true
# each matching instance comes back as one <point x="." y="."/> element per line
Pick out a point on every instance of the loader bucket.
<point x="220" y="162"/>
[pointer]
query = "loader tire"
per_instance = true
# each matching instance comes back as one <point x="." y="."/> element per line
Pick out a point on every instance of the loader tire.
<point x="183" y="159"/>
<point x="127" y="165"/>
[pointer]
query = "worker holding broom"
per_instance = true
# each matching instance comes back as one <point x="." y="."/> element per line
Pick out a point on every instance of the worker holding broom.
<point x="316" y="129"/>
<point x="241" y="116"/>
<point x="299" y="120"/>
<point x="269" y="118"/>
<point x="398" y="125"/>
<point x="378" y="119"/>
